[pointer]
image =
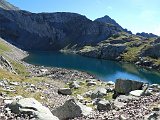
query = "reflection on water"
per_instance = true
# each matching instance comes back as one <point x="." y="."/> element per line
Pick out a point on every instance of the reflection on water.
<point x="102" y="69"/>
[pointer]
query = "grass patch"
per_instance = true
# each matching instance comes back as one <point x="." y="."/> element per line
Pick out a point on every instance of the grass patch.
<point x="4" y="47"/>
<point x="19" y="68"/>
<point x="132" y="54"/>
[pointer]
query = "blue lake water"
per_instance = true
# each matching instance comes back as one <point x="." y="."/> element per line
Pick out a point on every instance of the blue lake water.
<point x="103" y="69"/>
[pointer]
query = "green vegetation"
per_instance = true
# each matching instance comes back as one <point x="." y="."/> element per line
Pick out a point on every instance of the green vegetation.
<point x="132" y="54"/>
<point x="4" y="47"/>
<point x="19" y="68"/>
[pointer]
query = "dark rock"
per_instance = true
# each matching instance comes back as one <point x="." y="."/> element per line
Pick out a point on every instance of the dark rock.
<point x="126" y="86"/>
<point x="71" y="109"/>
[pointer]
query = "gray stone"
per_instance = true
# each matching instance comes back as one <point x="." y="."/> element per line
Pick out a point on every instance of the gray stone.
<point x="126" y="86"/>
<point x="65" y="91"/>
<point x="71" y="109"/>
<point x="104" y="105"/>
<point x="98" y="93"/>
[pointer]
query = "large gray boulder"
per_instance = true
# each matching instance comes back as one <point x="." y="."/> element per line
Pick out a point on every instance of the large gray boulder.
<point x="98" y="93"/>
<point x="125" y="86"/>
<point x="71" y="109"/>
<point x="31" y="106"/>
<point x="103" y="105"/>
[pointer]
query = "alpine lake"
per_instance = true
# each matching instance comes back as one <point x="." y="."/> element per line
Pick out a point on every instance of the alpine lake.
<point x="102" y="69"/>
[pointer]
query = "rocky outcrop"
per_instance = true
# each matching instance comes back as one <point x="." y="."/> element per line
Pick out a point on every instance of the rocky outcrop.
<point x="5" y="64"/>
<point x="152" y="51"/>
<point x="107" y="51"/>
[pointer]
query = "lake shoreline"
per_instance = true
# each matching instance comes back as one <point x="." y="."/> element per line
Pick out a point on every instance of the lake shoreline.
<point x="91" y="65"/>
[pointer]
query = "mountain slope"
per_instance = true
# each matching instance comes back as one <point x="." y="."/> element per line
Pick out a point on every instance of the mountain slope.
<point x="51" y="31"/>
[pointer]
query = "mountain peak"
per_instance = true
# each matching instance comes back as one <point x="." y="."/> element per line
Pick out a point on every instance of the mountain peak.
<point x="7" y="6"/>
<point x="107" y="19"/>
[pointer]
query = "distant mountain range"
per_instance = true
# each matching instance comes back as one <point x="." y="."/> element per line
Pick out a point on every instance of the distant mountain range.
<point x="53" y="31"/>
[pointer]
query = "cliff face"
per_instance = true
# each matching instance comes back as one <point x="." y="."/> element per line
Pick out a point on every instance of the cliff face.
<point x="51" y="31"/>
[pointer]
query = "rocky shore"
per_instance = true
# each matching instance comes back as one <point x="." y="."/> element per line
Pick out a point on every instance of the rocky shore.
<point x="76" y="95"/>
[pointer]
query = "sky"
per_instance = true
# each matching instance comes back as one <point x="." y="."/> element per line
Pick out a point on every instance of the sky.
<point x="135" y="15"/>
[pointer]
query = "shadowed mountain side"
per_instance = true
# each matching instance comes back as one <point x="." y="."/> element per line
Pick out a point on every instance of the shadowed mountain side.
<point x="51" y="31"/>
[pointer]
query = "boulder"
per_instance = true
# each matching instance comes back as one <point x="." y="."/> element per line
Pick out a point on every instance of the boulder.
<point x="31" y="106"/>
<point x="98" y="93"/>
<point x="71" y="109"/>
<point x="65" y="91"/>
<point x="126" y="86"/>
<point x="104" y="105"/>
